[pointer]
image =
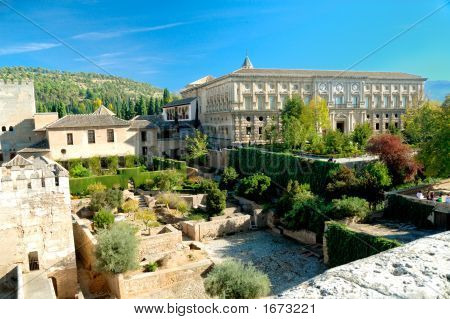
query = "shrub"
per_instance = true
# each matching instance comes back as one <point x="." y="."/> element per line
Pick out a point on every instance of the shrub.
<point x="109" y="199"/>
<point x="345" y="245"/>
<point x="130" y="206"/>
<point x="361" y="134"/>
<point x="117" y="249"/>
<point x="254" y="187"/>
<point x="374" y="179"/>
<point x="204" y="185"/>
<point x="103" y="219"/>
<point x="79" y="171"/>
<point x="397" y="156"/>
<point x="350" y="207"/>
<point x="282" y="167"/>
<point x="173" y="201"/>
<point x="96" y="187"/>
<point x="197" y="214"/>
<point x="95" y="165"/>
<point x="310" y="214"/>
<point x="294" y="192"/>
<point x="160" y="163"/>
<point x="215" y="202"/>
<point x="78" y="186"/>
<point x="229" y="178"/>
<point x="236" y="280"/>
<point x="343" y="181"/>
<point x="168" y="180"/>
<point x="151" y="267"/>
<point x="130" y="161"/>
<point x="148" y="218"/>
<point x="112" y="163"/>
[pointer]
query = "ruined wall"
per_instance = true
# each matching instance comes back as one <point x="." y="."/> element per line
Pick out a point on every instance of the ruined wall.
<point x="216" y="228"/>
<point x="145" y="284"/>
<point x="166" y="239"/>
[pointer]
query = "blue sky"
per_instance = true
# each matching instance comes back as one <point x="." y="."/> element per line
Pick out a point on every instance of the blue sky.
<point x="171" y="43"/>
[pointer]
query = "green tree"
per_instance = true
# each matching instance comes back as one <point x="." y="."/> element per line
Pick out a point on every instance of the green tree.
<point x="254" y="186"/>
<point x="166" y="96"/>
<point x="215" y="202"/>
<point x="197" y="147"/>
<point x="229" y="177"/>
<point x="361" y="134"/>
<point x="374" y="179"/>
<point x="117" y="249"/>
<point x="316" y="117"/>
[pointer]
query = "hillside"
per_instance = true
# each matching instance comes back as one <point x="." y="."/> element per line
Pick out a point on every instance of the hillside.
<point x="69" y="92"/>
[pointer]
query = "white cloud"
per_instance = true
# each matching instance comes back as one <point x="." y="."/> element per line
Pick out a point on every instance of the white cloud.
<point x="119" y="33"/>
<point x="28" y="47"/>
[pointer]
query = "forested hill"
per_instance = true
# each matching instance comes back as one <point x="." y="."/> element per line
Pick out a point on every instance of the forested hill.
<point x="78" y="93"/>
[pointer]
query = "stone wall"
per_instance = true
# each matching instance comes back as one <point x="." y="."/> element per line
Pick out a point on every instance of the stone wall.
<point x="85" y="242"/>
<point x="419" y="269"/>
<point x="143" y="285"/>
<point x="163" y="239"/>
<point x="216" y="228"/>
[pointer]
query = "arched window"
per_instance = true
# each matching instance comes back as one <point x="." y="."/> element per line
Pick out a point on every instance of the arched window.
<point x="11" y="129"/>
<point x="3" y="128"/>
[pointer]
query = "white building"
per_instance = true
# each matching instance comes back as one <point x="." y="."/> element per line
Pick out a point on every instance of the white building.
<point x="234" y="108"/>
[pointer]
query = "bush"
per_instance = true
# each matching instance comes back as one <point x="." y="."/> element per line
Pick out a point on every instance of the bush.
<point x="374" y="179"/>
<point x="168" y="180"/>
<point x="345" y="245"/>
<point x="334" y="142"/>
<point x="160" y="163"/>
<point x="229" y="178"/>
<point x="173" y="201"/>
<point x="205" y="185"/>
<point x="148" y="218"/>
<point x="254" y="187"/>
<point x="216" y="202"/>
<point x="361" y="134"/>
<point x="78" y="186"/>
<point x="294" y="192"/>
<point x="282" y="167"/>
<point x="350" y="207"/>
<point x="151" y="267"/>
<point x="130" y="161"/>
<point x="112" y="162"/>
<point x="343" y="181"/>
<point x="310" y="214"/>
<point x="103" y="219"/>
<point x="130" y="206"/>
<point x="95" y="165"/>
<point x="109" y="199"/>
<point x="79" y="171"/>
<point x="235" y="280"/>
<point x="96" y="187"/>
<point x="117" y="249"/>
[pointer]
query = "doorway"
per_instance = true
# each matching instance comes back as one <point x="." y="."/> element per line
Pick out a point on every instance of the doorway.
<point x="340" y="126"/>
<point x="33" y="260"/>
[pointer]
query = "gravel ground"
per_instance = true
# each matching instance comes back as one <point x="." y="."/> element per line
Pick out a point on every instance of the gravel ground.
<point x="277" y="256"/>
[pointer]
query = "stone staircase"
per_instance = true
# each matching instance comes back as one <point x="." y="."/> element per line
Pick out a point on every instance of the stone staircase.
<point x="141" y="201"/>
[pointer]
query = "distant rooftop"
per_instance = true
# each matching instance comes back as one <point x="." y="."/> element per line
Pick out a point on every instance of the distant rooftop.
<point x="185" y="101"/>
<point x="88" y="120"/>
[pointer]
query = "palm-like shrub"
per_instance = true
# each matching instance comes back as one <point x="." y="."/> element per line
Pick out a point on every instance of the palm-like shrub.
<point x="236" y="280"/>
<point x="117" y="249"/>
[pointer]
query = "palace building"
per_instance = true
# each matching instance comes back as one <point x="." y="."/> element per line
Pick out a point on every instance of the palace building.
<point x="235" y="108"/>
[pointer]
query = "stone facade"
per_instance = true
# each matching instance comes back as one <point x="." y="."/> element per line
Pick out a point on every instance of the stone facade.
<point x="235" y="108"/>
<point x="35" y="221"/>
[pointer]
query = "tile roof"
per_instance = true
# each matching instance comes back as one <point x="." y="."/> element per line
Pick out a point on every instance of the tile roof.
<point x="325" y="73"/>
<point x="180" y="102"/>
<point x="102" y="110"/>
<point x="88" y="120"/>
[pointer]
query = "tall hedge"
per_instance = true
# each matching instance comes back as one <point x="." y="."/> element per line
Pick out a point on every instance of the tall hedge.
<point x="282" y="167"/>
<point x="409" y="210"/>
<point x="345" y="245"/>
<point x="160" y="163"/>
<point x="78" y="186"/>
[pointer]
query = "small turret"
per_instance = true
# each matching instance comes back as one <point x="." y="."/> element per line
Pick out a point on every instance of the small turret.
<point x="247" y="63"/>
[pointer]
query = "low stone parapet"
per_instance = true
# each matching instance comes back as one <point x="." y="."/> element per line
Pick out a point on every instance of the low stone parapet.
<point x="161" y="239"/>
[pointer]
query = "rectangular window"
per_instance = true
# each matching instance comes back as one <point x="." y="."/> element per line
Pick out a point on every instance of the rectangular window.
<point x="248" y="130"/>
<point x="248" y="102"/>
<point x="339" y="100"/>
<point x="273" y="103"/>
<point x="395" y="101"/>
<point x="404" y="101"/>
<point x="306" y="99"/>
<point x="183" y="113"/>
<point x="366" y="102"/>
<point x="69" y="139"/>
<point x="144" y="150"/>
<point x="261" y="103"/>
<point x="386" y="126"/>
<point x="355" y="101"/>
<point x="143" y="136"/>
<point x="386" y="101"/>
<point x="260" y="130"/>
<point x="377" y="126"/>
<point x="110" y="135"/>
<point x="91" y="136"/>
<point x="377" y="101"/>
<point x="1" y="157"/>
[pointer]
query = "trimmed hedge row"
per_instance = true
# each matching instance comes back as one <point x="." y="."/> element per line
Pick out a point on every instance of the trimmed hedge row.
<point x="345" y="245"/>
<point x="282" y="167"/>
<point x="160" y="163"/>
<point x="408" y="210"/>
<point x="78" y="186"/>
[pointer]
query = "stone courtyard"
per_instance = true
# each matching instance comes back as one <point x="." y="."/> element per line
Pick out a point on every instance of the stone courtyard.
<point x="286" y="262"/>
